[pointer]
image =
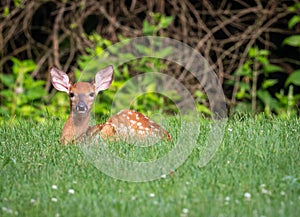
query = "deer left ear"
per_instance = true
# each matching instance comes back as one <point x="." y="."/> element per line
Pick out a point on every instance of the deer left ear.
<point x="103" y="79"/>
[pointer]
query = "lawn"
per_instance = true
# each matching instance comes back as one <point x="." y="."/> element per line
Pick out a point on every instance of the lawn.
<point x="255" y="172"/>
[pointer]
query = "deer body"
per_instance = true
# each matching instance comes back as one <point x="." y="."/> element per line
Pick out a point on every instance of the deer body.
<point x="125" y="124"/>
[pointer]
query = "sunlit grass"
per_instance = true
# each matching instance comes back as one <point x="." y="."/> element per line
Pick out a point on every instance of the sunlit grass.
<point x="255" y="172"/>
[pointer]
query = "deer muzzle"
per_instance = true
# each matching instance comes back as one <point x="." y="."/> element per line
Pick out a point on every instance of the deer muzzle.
<point x="81" y="107"/>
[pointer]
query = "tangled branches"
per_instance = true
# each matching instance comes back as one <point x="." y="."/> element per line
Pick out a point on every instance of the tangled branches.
<point x="52" y="32"/>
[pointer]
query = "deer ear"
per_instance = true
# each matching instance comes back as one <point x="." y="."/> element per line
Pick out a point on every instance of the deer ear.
<point x="60" y="80"/>
<point x="103" y="78"/>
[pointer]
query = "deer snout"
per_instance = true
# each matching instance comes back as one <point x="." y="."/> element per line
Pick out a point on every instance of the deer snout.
<point x="81" y="107"/>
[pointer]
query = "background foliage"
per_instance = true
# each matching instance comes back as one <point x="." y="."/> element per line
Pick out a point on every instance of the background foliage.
<point x="252" y="45"/>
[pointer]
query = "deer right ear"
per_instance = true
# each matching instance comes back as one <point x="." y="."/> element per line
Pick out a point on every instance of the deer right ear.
<point x="60" y="80"/>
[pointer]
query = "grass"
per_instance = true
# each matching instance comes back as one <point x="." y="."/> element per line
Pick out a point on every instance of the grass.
<point x="255" y="172"/>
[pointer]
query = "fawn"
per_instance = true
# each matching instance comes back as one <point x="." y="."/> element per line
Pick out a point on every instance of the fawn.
<point x="126" y="123"/>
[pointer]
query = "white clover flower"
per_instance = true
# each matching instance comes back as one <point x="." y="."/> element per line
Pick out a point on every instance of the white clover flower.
<point x="54" y="187"/>
<point x="32" y="200"/>
<point x="265" y="191"/>
<point x="152" y="195"/>
<point x="8" y="210"/>
<point x="54" y="199"/>
<point x="227" y="198"/>
<point x="247" y="196"/>
<point x="185" y="210"/>
<point x="71" y="191"/>
<point x="163" y="176"/>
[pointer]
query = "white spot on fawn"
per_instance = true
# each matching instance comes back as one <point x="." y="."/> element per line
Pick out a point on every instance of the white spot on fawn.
<point x="132" y="121"/>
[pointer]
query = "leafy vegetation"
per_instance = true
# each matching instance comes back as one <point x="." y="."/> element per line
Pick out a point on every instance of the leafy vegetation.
<point x="259" y="98"/>
<point x="23" y="96"/>
<point x="147" y="101"/>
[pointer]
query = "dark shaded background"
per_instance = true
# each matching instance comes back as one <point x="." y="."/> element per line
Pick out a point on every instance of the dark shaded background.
<point x="51" y="32"/>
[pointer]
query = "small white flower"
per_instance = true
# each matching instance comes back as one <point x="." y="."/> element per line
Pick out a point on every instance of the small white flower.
<point x="247" y="196"/>
<point x="163" y="176"/>
<point x="152" y="195"/>
<point x="133" y="198"/>
<point x="14" y="160"/>
<point x="227" y="198"/>
<point x="282" y="193"/>
<point x="57" y="215"/>
<point x="71" y="191"/>
<point x="155" y="202"/>
<point x="264" y="191"/>
<point x="19" y="90"/>
<point x="187" y="183"/>
<point x="53" y="199"/>
<point x="32" y="200"/>
<point x="185" y="210"/>
<point x="7" y="210"/>
<point x="54" y="187"/>
<point x="230" y="129"/>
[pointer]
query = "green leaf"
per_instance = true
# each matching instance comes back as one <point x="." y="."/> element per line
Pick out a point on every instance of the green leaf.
<point x="269" y="83"/>
<point x="8" y="94"/>
<point x="23" y="66"/>
<point x="166" y="21"/>
<point x="203" y="109"/>
<point x="35" y="93"/>
<point x="266" y="98"/>
<point x="294" y="7"/>
<point x="143" y="49"/>
<point x="5" y="12"/>
<point x="163" y="52"/>
<point x="293" y="21"/>
<point x="253" y="52"/>
<point x="293" y="40"/>
<point x="269" y="68"/>
<point x="7" y="80"/>
<point x="294" y="78"/>
<point x="147" y="28"/>
<point x="263" y="52"/>
<point x="263" y="60"/>
<point x="244" y="70"/>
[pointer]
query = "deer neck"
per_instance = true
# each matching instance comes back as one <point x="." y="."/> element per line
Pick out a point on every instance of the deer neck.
<point x="75" y="126"/>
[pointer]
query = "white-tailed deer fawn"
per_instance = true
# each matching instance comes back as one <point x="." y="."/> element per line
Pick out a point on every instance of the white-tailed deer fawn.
<point x="126" y="123"/>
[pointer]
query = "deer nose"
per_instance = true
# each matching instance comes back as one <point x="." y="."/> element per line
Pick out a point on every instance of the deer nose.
<point x="81" y="107"/>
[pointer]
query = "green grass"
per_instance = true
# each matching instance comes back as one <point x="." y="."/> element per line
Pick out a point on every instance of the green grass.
<point x="258" y="156"/>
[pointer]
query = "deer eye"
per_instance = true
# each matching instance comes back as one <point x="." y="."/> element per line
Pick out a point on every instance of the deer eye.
<point x="71" y="95"/>
<point x="92" y="94"/>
